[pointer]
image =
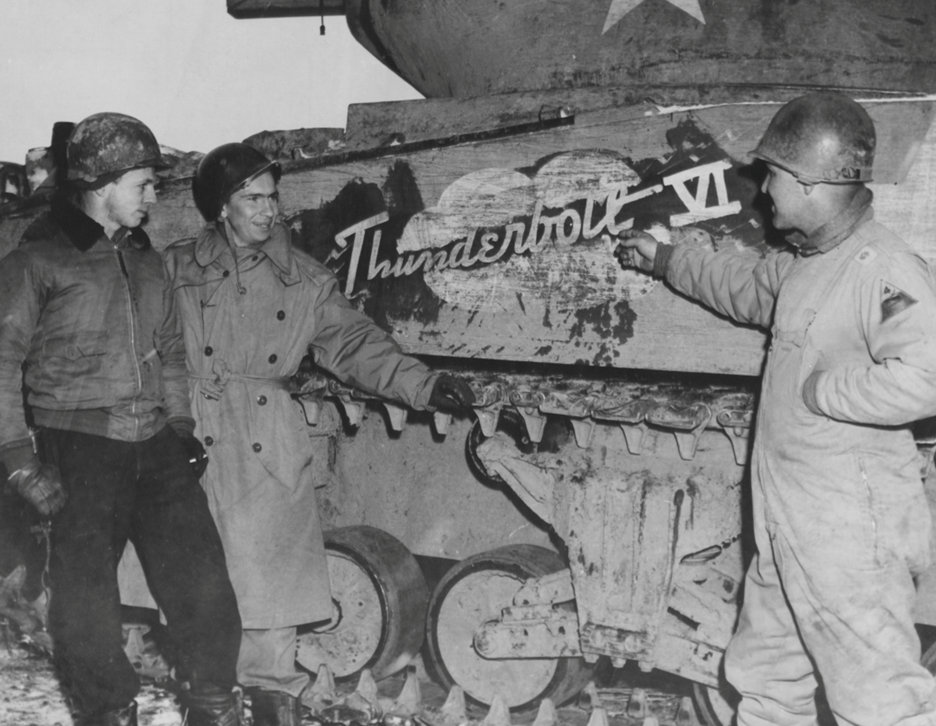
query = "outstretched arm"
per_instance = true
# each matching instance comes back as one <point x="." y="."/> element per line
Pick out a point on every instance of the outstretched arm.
<point x="743" y="287"/>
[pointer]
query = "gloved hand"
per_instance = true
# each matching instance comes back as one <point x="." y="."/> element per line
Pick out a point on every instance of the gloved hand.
<point x="451" y="394"/>
<point x="197" y="456"/>
<point x="194" y="451"/>
<point x="40" y="485"/>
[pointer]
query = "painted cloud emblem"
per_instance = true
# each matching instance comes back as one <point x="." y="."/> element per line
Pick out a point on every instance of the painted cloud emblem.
<point x="549" y="238"/>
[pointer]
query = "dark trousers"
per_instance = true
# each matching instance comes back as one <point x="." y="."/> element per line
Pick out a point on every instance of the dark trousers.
<point x="144" y="491"/>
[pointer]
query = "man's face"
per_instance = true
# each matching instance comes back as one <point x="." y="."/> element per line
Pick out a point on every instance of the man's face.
<point x="252" y="210"/>
<point x="787" y="195"/>
<point x="128" y="199"/>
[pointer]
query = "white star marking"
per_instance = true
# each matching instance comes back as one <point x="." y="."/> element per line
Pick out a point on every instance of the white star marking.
<point x="620" y="8"/>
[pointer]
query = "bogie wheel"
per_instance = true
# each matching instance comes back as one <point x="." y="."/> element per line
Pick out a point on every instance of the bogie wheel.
<point x="380" y="597"/>
<point x="715" y="706"/>
<point x="475" y="591"/>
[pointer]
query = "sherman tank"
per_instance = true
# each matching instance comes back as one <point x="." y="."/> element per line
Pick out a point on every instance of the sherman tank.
<point x="592" y="507"/>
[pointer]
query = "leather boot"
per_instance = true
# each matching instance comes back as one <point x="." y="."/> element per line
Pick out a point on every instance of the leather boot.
<point x="274" y="708"/>
<point x="126" y="716"/>
<point x="212" y="706"/>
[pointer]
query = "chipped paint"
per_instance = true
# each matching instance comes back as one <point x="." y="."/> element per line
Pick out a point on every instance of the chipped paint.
<point x="547" y="234"/>
<point x="518" y="264"/>
<point x="611" y="322"/>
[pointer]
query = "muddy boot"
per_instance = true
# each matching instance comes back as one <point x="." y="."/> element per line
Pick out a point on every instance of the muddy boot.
<point x="274" y="708"/>
<point x="212" y="706"/>
<point x="126" y="716"/>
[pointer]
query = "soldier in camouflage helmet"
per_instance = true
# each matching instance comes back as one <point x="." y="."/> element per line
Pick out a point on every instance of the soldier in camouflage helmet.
<point x="88" y="322"/>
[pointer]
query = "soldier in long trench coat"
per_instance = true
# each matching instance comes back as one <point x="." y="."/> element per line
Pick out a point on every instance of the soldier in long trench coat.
<point x="252" y="306"/>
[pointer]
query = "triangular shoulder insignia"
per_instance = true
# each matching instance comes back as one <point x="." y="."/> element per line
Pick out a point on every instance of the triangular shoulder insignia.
<point x="893" y="300"/>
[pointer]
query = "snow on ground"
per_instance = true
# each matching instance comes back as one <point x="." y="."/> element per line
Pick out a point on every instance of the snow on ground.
<point x="30" y="693"/>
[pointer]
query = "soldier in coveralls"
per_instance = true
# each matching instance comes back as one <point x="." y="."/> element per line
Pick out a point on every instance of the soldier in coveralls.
<point x="88" y="322"/>
<point x="252" y="306"/>
<point x="841" y="522"/>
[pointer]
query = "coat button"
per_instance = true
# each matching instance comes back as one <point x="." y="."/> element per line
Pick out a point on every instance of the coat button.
<point x="272" y="358"/>
<point x="208" y="350"/>
<point x="280" y="315"/>
<point x="208" y="441"/>
<point x="261" y="400"/>
<point x="257" y="448"/>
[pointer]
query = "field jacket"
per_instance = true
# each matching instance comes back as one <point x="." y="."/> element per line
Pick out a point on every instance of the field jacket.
<point x="90" y="325"/>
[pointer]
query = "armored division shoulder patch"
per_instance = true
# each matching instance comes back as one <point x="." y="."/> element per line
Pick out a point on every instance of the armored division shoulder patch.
<point x="893" y="300"/>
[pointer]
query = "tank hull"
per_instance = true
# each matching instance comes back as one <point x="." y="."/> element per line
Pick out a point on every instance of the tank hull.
<point x="499" y="247"/>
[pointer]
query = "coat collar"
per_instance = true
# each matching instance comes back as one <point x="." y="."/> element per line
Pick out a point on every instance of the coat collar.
<point x="83" y="232"/>
<point x="212" y="244"/>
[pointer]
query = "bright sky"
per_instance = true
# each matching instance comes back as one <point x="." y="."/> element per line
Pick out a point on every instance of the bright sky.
<point x="195" y="75"/>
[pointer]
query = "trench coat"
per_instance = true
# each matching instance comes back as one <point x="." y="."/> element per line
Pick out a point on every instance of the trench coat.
<point x="247" y="326"/>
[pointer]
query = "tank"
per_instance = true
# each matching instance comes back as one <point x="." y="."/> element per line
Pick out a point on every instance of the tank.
<point x="593" y="505"/>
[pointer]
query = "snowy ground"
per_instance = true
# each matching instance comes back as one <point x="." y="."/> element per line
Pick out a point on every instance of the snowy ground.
<point x="30" y="694"/>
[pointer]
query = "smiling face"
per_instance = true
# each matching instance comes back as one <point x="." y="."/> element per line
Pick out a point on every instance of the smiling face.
<point x="126" y="201"/>
<point x="251" y="211"/>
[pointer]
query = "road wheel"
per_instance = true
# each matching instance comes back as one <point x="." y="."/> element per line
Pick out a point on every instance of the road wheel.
<point x="380" y="597"/>
<point x="473" y="592"/>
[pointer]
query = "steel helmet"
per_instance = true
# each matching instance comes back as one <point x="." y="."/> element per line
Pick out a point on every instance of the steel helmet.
<point x="223" y="171"/>
<point x="823" y="137"/>
<point x="105" y="145"/>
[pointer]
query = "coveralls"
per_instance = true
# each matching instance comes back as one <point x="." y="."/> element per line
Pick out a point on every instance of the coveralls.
<point x="841" y="522"/>
<point x="94" y="322"/>
<point x="248" y="324"/>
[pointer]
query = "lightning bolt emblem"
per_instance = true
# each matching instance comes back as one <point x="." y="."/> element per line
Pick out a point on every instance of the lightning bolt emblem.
<point x="620" y="8"/>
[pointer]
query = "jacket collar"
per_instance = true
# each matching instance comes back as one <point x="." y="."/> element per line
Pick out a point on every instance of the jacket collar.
<point x="837" y="230"/>
<point x="212" y="243"/>
<point x="83" y="232"/>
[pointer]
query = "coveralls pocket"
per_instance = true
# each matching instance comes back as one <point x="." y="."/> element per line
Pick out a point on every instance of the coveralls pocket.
<point x="897" y="512"/>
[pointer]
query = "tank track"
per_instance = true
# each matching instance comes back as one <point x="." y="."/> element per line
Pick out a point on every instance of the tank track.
<point x="684" y="410"/>
<point x="416" y="703"/>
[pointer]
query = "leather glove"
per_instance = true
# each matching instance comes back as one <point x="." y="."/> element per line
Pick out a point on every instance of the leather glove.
<point x="194" y="450"/>
<point x="40" y="485"/>
<point x="451" y="394"/>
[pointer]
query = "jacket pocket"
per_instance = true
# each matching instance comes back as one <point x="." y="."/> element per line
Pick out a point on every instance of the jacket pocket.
<point x="76" y="346"/>
<point x="84" y="354"/>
